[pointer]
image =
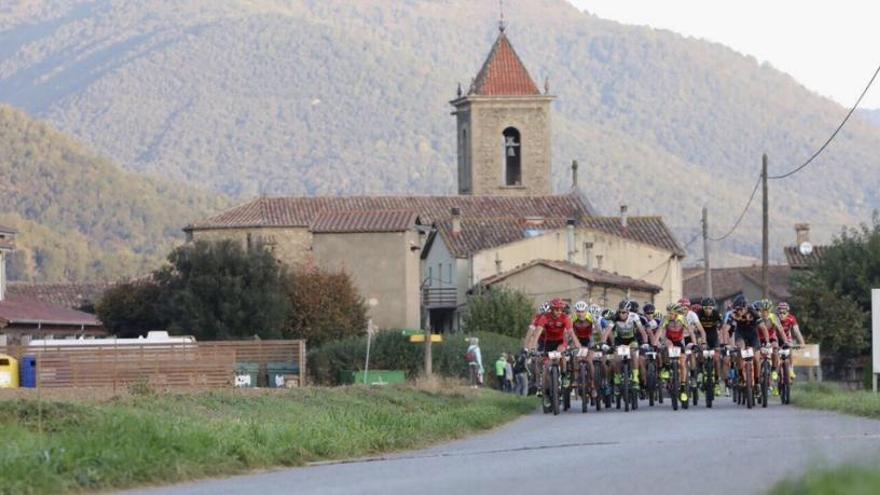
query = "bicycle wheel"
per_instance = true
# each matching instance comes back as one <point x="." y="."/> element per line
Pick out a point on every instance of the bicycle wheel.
<point x="651" y="382"/>
<point x="583" y="387"/>
<point x="748" y="392"/>
<point x="598" y="386"/>
<point x="765" y="383"/>
<point x="709" y="380"/>
<point x="785" y="387"/>
<point x="675" y="385"/>
<point x="627" y="384"/>
<point x="554" y="389"/>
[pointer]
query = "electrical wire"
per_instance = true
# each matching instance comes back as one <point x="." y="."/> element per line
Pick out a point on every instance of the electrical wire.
<point x="833" y="135"/>
<point x="741" y="215"/>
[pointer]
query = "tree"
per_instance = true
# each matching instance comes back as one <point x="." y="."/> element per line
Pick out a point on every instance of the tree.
<point x="325" y="306"/>
<point x="132" y="309"/>
<point x="499" y="310"/>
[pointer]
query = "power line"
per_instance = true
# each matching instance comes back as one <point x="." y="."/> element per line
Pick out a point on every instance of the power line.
<point x="741" y="215"/>
<point x="834" y="134"/>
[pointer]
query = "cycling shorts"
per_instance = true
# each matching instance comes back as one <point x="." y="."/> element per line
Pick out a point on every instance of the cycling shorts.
<point x="750" y="338"/>
<point x="548" y="345"/>
<point x="586" y="342"/>
<point x="622" y="341"/>
<point x="712" y="339"/>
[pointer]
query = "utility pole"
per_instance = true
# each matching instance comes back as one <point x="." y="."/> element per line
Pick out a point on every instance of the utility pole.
<point x="707" y="266"/>
<point x="765" y="248"/>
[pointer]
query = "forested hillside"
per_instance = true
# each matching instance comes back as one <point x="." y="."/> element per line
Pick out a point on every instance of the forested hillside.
<point x="81" y="217"/>
<point x="342" y="97"/>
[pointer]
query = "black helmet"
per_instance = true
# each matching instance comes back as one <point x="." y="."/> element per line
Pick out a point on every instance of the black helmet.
<point x="649" y="308"/>
<point x="740" y="302"/>
<point x="634" y="306"/>
<point x="624" y="305"/>
<point x="708" y="302"/>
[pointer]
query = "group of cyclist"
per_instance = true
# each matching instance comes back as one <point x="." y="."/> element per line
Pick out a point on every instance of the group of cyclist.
<point x="697" y="335"/>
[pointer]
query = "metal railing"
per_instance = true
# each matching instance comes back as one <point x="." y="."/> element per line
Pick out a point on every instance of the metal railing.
<point x="446" y="297"/>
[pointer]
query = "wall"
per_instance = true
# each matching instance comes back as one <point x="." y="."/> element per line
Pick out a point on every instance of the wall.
<point x="621" y="256"/>
<point x="290" y="245"/>
<point x="382" y="267"/>
<point x="2" y="274"/>
<point x="480" y="156"/>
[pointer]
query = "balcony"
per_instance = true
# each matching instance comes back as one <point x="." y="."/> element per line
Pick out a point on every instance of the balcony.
<point x="446" y="297"/>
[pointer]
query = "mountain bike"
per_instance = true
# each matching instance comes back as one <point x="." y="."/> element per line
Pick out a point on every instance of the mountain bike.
<point x="693" y="386"/>
<point x="584" y="383"/>
<point x="624" y="391"/>
<point x="673" y="360"/>
<point x="600" y="377"/>
<point x="709" y="380"/>
<point x="652" y="379"/>
<point x="785" y="368"/>
<point x="764" y="377"/>
<point x="746" y="379"/>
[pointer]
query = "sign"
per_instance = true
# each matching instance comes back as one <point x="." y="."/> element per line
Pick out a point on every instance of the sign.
<point x="435" y="337"/>
<point x="875" y="331"/>
<point x="807" y="356"/>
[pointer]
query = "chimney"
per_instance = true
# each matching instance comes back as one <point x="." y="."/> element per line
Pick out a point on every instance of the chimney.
<point x="456" y="221"/>
<point x="623" y="209"/>
<point x="588" y="255"/>
<point x="497" y="263"/>
<point x="574" y="174"/>
<point x="803" y="233"/>
<point x="569" y="240"/>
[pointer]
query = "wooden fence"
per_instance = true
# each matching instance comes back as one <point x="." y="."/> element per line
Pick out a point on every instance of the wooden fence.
<point x="160" y="365"/>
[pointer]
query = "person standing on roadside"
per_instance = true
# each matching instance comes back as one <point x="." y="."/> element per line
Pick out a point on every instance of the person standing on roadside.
<point x="508" y="374"/>
<point x="474" y="359"/>
<point x="520" y="375"/>
<point x="501" y="371"/>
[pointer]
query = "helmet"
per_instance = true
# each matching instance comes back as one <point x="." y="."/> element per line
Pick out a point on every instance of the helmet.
<point x="649" y="308"/>
<point x="544" y="308"/>
<point x="580" y="306"/>
<point x="783" y="307"/>
<point x="595" y="310"/>
<point x="708" y="301"/>
<point x="608" y="313"/>
<point x="740" y="302"/>
<point x="764" y="305"/>
<point x="557" y="304"/>
<point x="624" y="305"/>
<point x="685" y="302"/>
<point x="634" y="306"/>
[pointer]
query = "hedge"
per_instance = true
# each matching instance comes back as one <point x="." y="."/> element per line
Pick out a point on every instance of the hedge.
<point x="390" y="350"/>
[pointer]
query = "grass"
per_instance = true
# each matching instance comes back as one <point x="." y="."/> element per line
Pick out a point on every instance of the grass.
<point x="845" y="480"/>
<point x="830" y="397"/>
<point x="150" y="438"/>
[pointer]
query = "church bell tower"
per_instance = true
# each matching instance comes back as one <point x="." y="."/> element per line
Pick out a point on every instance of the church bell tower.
<point x="503" y="129"/>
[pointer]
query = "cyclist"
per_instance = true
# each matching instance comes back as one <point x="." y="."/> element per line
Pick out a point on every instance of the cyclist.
<point x="775" y="334"/>
<point x="583" y="324"/>
<point x="710" y="320"/>
<point x="552" y="331"/>
<point x="673" y="331"/>
<point x="652" y="325"/>
<point x="543" y="309"/>
<point x="789" y="323"/>
<point x="626" y="329"/>
<point x="747" y="329"/>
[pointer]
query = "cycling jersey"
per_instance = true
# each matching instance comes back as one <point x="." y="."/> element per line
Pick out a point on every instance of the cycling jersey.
<point x="554" y="327"/>
<point x="788" y="323"/>
<point x="625" y="331"/>
<point x="746" y="327"/>
<point x="674" y="331"/>
<point x="772" y="323"/>
<point x="711" y="323"/>
<point x="583" y="328"/>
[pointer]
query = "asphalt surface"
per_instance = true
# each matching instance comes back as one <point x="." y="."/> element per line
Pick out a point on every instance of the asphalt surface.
<point x="726" y="449"/>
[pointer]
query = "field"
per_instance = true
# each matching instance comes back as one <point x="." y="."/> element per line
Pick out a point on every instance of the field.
<point x="830" y="397"/>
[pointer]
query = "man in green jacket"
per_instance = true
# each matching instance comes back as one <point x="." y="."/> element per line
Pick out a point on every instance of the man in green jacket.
<point x="501" y="371"/>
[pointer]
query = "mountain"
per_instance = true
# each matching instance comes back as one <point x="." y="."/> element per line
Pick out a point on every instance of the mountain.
<point x="872" y="115"/>
<point x="80" y="217"/>
<point x="338" y="97"/>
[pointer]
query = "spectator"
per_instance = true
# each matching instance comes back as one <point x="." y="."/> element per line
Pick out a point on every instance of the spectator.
<point x="520" y="374"/>
<point x="501" y="371"/>
<point x="508" y="374"/>
<point x="475" y="362"/>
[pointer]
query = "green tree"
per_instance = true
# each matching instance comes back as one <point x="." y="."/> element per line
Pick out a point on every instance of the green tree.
<point x="325" y="306"/>
<point x="499" y="310"/>
<point x="132" y="309"/>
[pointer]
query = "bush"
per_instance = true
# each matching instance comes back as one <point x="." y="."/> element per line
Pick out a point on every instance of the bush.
<point x="499" y="310"/>
<point x="325" y="306"/>
<point x="392" y="351"/>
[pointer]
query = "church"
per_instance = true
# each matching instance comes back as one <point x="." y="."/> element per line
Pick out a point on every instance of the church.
<point x="417" y="259"/>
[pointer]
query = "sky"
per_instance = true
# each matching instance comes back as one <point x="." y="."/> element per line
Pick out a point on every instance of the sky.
<point x="832" y="48"/>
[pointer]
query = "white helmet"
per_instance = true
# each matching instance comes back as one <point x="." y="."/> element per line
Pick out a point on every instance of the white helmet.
<point x="580" y="306"/>
<point x="545" y="308"/>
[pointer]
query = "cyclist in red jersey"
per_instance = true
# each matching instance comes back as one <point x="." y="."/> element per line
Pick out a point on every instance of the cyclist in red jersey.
<point x="583" y="325"/>
<point x="789" y="323"/>
<point x="552" y="330"/>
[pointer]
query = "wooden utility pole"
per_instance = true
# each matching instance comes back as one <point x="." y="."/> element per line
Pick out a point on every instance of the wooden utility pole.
<point x="428" y="353"/>
<point x="765" y="247"/>
<point x="707" y="266"/>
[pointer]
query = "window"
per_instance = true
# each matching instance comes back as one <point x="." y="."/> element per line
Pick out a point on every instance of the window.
<point x="512" y="157"/>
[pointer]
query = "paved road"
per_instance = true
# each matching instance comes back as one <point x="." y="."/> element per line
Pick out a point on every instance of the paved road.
<point x="728" y="448"/>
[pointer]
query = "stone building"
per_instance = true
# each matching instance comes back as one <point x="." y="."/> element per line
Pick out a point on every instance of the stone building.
<point x="414" y="258"/>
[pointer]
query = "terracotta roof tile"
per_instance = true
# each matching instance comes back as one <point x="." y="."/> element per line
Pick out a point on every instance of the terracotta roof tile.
<point x="364" y="221"/>
<point x="797" y="260"/>
<point x="599" y="277"/>
<point x="647" y="230"/>
<point x="22" y="309"/>
<point x="728" y="282"/>
<point x="69" y="295"/>
<point x="7" y="230"/>
<point x="503" y="73"/>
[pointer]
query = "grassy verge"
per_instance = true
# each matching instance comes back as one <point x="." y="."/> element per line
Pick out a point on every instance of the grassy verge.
<point x="163" y="438"/>
<point x="845" y="480"/>
<point x="830" y="397"/>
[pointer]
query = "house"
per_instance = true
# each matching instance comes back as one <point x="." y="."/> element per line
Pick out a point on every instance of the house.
<point x="803" y="255"/>
<point x="414" y="258"/>
<point x="728" y="283"/>
<point x="23" y="316"/>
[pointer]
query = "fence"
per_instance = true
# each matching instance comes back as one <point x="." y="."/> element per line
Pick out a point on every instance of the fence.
<point x="160" y="365"/>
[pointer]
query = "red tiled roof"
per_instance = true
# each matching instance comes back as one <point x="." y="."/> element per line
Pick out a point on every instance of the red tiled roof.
<point x="364" y="221"/>
<point x="797" y="260"/>
<point x="22" y="309"/>
<point x="70" y="295"/>
<point x="728" y="282"/>
<point x="7" y="244"/>
<point x="8" y="230"/>
<point x="477" y="234"/>
<point x="599" y="277"/>
<point x="503" y="73"/>
<point x="647" y="230"/>
<point x="301" y="211"/>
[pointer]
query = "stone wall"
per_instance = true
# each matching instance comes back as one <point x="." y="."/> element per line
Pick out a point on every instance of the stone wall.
<point x="290" y="245"/>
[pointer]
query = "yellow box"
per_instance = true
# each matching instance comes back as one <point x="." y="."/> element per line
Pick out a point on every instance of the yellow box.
<point x="435" y="337"/>
<point x="8" y="371"/>
<point x="807" y="355"/>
